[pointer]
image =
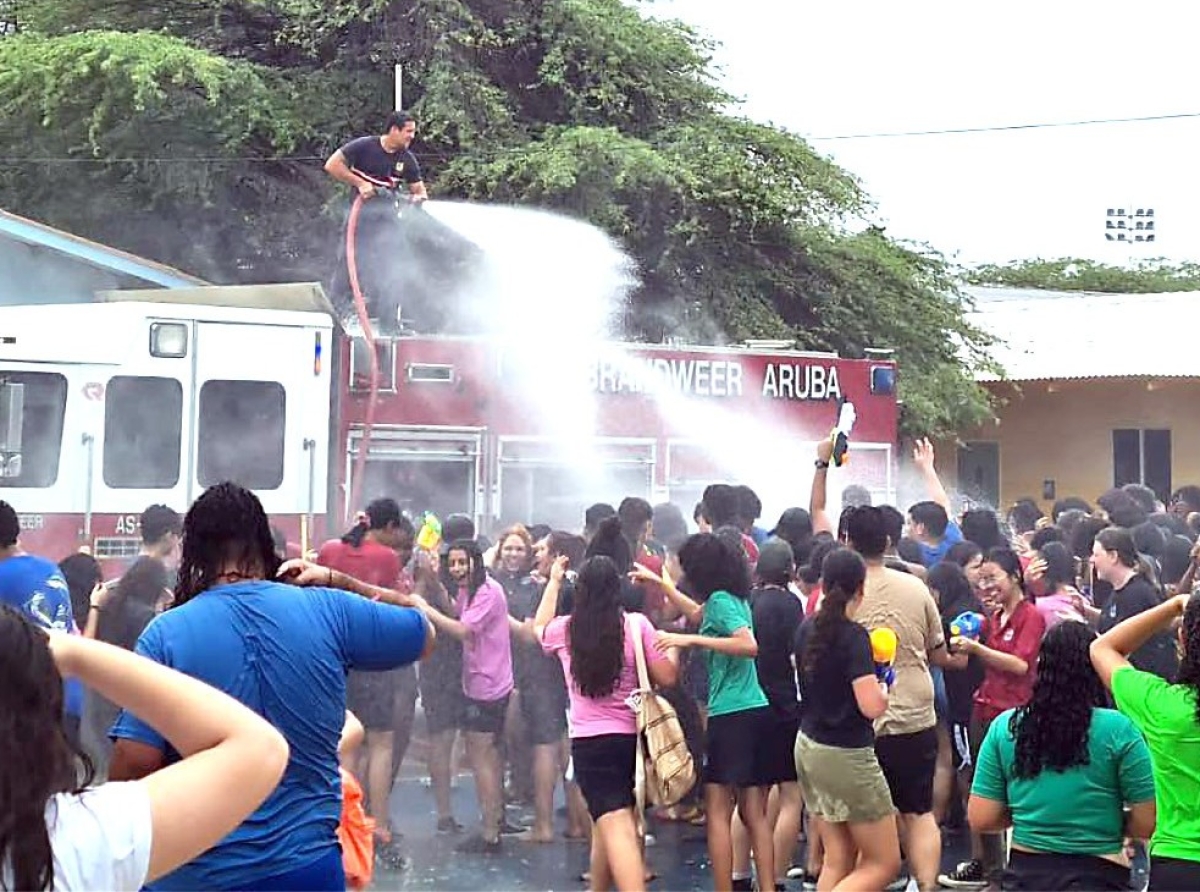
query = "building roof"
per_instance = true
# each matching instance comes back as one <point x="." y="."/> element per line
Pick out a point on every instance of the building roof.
<point x="1082" y="334"/>
<point x="93" y="253"/>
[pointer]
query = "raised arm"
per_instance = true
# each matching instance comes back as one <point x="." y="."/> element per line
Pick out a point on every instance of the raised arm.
<point x="923" y="458"/>
<point x="232" y="758"/>
<point x="690" y="610"/>
<point x="817" y="499"/>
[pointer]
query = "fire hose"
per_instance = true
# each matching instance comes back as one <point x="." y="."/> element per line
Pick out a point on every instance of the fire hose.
<point x="360" y="308"/>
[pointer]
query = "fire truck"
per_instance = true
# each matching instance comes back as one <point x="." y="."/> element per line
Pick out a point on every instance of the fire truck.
<point x="145" y="397"/>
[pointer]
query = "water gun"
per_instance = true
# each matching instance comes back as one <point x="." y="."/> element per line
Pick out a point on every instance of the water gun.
<point x="430" y="535"/>
<point x="883" y="650"/>
<point x="840" y="435"/>
<point x="967" y="625"/>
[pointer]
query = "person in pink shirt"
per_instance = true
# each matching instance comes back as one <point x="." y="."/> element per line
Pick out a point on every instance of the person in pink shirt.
<point x="1052" y="582"/>
<point x="487" y="676"/>
<point x="596" y="646"/>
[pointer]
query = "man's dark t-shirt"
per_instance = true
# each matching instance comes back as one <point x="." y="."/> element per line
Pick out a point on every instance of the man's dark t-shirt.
<point x="828" y="708"/>
<point x="1158" y="654"/>
<point x="777" y="615"/>
<point x="961" y="684"/>
<point x="367" y="158"/>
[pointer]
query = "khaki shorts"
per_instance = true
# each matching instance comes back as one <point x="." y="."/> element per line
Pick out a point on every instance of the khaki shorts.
<point x="842" y="785"/>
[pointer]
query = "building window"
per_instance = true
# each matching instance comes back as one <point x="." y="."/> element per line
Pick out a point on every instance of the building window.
<point x="45" y="405"/>
<point x="979" y="472"/>
<point x="143" y="429"/>
<point x="241" y="433"/>
<point x="1143" y="456"/>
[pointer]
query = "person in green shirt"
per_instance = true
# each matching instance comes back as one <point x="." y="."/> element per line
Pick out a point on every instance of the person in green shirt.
<point x="735" y="772"/>
<point x="1060" y="771"/>
<point x="1169" y="717"/>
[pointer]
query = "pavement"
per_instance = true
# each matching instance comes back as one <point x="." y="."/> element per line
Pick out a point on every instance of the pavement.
<point x="678" y="854"/>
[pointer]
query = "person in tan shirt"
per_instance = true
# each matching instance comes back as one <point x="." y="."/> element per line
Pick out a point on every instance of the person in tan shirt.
<point x="905" y="735"/>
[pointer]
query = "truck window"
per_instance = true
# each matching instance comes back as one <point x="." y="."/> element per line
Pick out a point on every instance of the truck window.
<point x="41" y="436"/>
<point x="143" y="429"/>
<point x="241" y="433"/>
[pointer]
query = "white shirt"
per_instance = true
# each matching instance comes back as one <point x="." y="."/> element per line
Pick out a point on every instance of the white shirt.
<point x="100" y="839"/>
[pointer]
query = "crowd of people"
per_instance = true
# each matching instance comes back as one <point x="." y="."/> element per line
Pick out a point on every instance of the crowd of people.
<point x="213" y="717"/>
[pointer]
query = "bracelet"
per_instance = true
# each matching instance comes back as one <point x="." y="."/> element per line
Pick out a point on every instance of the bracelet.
<point x="331" y="577"/>
<point x="820" y="465"/>
<point x="95" y="607"/>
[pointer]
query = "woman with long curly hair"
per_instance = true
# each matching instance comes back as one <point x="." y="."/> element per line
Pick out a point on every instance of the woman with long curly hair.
<point x="481" y="623"/>
<point x="284" y="652"/>
<point x="596" y="647"/>
<point x="1169" y="717"/>
<point x="1061" y="770"/>
<point x="57" y="831"/>
<point x="844" y="787"/>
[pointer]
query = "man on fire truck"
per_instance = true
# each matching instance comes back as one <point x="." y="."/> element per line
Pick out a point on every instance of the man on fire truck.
<point x="368" y="164"/>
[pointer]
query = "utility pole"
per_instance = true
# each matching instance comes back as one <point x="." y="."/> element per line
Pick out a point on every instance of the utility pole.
<point x="399" y="86"/>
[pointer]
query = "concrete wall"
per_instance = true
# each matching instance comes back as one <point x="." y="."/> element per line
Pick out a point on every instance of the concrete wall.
<point x="1062" y="431"/>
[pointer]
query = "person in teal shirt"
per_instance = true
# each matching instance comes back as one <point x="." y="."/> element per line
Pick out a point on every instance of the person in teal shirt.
<point x="1169" y="717"/>
<point x="735" y="772"/>
<point x="1061" y="770"/>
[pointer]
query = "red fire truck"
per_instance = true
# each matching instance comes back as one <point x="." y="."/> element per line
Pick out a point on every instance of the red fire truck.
<point x="147" y="397"/>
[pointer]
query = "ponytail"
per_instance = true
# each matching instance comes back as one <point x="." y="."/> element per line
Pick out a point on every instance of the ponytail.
<point x="355" y="535"/>
<point x="842" y="576"/>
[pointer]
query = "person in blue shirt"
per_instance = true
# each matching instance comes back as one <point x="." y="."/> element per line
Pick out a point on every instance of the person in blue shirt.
<point x="929" y="521"/>
<point x="284" y="651"/>
<point x="36" y="587"/>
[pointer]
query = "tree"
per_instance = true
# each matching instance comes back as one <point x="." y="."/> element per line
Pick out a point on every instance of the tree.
<point x="194" y="133"/>
<point x="1073" y="274"/>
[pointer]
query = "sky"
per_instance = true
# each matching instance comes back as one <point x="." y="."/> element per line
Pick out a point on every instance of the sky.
<point x="842" y="67"/>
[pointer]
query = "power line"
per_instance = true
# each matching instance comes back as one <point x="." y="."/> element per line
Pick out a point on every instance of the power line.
<point x="496" y="154"/>
<point x="997" y="128"/>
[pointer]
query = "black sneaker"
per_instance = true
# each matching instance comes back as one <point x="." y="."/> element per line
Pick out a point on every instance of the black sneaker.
<point x="387" y="856"/>
<point x="449" y="825"/>
<point x="968" y="875"/>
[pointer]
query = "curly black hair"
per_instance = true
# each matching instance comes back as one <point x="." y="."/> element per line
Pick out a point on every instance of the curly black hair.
<point x="226" y="526"/>
<point x="1051" y="730"/>
<point x="596" y="634"/>
<point x="1189" y="661"/>
<point x="712" y="565"/>
<point x="843" y="573"/>
<point x="37" y="760"/>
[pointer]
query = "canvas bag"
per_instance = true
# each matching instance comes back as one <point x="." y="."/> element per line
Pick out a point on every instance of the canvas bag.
<point x="665" y="770"/>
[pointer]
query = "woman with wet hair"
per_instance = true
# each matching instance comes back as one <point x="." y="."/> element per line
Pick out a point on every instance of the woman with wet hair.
<point x="232" y="612"/>
<point x="1052" y="578"/>
<point x="595" y="645"/>
<point x="737" y="772"/>
<point x="843" y="784"/>
<point x="480" y="622"/>
<point x="1168" y="715"/>
<point x="1115" y="560"/>
<point x="1061" y="772"/>
<point x="1007" y="648"/>
<point x="59" y="832"/>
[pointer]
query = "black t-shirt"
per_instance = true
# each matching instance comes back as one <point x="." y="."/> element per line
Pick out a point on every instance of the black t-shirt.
<point x="961" y="684"/>
<point x="777" y="615"/>
<point x="367" y="158"/>
<point x="1158" y="654"/>
<point x="828" y="709"/>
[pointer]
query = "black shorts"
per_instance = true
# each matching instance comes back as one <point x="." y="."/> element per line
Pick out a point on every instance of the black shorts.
<point x="1027" y="870"/>
<point x="485" y="716"/>
<point x="545" y="715"/>
<point x="1173" y="874"/>
<point x="735" y="754"/>
<point x="908" y="762"/>
<point x="778" y="750"/>
<point x="604" y="768"/>
<point x="371" y="696"/>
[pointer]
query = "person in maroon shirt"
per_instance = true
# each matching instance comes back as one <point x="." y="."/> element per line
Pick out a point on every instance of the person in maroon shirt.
<point x="1008" y="649"/>
<point x="375" y="551"/>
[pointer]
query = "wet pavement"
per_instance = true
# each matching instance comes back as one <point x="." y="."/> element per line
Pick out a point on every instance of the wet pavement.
<point x="678" y="854"/>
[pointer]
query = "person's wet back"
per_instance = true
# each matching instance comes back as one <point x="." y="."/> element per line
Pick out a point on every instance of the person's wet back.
<point x="284" y="652"/>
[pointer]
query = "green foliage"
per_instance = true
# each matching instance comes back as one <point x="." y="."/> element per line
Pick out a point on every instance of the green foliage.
<point x="1072" y="274"/>
<point x="193" y="133"/>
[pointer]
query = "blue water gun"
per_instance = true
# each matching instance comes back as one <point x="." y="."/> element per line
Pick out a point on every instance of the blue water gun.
<point x="967" y="625"/>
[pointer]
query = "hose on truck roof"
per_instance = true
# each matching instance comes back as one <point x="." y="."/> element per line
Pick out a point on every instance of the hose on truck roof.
<point x="360" y="308"/>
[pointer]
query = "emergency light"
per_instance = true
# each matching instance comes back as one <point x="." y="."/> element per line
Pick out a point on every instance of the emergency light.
<point x="168" y="340"/>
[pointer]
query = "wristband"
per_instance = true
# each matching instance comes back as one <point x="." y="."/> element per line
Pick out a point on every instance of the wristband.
<point x="821" y="465"/>
<point x="331" y="577"/>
